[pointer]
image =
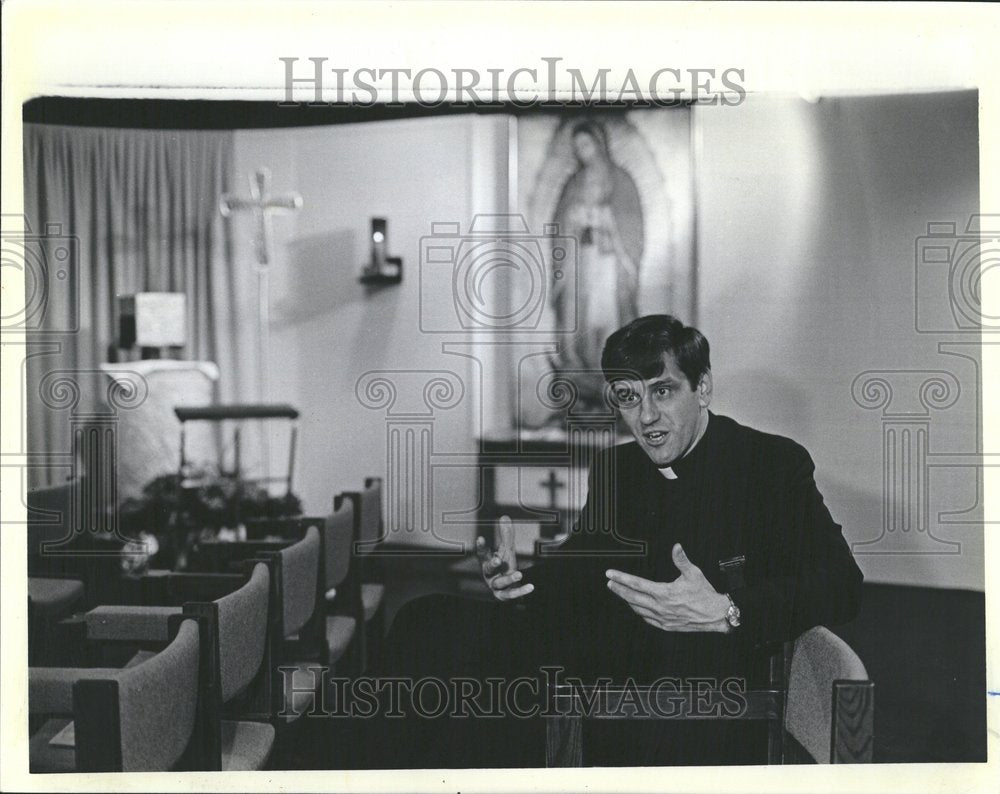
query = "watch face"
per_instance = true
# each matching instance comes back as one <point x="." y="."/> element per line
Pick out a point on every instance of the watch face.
<point x="733" y="616"/>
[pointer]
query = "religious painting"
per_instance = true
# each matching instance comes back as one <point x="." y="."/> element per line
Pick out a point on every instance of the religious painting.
<point x="619" y="185"/>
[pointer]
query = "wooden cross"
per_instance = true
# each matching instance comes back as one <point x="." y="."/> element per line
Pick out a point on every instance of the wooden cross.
<point x="552" y="484"/>
<point x="263" y="206"/>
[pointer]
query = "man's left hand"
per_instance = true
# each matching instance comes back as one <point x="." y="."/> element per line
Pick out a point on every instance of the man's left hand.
<point x="689" y="603"/>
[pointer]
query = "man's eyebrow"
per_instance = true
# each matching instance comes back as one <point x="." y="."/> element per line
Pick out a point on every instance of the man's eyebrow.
<point x="666" y="380"/>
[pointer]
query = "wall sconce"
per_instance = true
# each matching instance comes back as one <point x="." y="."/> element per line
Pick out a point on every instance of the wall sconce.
<point x="381" y="269"/>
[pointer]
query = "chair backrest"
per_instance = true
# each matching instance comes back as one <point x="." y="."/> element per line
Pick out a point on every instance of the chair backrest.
<point x="140" y="719"/>
<point x="339" y="541"/>
<point x="830" y="699"/>
<point x="243" y="625"/>
<point x="299" y="574"/>
<point x="369" y="516"/>
<point x="51" y="520"/>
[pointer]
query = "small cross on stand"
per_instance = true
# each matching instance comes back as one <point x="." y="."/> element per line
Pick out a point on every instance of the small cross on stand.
<point x="552" y="484"/>
<point x="263" y="206"/>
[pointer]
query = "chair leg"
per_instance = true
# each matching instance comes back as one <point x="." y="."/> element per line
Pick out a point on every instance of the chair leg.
<point x="564" y="740"/>
<point x="779" y="674"/>
<point x="374" y="636"/>
<point x="775" y="742"/>
<point x="853" y="722"/>
<point x="352" y="662"/>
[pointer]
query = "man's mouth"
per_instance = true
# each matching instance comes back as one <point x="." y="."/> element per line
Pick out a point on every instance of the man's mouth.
<point x="655" y="437"/>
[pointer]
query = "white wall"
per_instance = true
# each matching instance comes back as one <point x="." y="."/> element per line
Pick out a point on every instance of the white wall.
<point x="327" y="328"/>
<point x="807" y="220"/>
<point x="808" y="217"/>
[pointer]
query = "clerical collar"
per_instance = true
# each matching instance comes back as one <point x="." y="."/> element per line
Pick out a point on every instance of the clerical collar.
<point x="685" y="466"/>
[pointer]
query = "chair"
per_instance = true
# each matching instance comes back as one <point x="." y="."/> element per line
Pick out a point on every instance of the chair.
<point x="368" y="533"/>
<point x="53" y="591"/>
<point x="236" y="683"/>
<point x="71" y="518"/>
<point x="301" y="658"/>
<point x="142" y="718"/>
<point x="342" y="591"/>
<point x="303" y="647"/>
<point x="243" y="664"/>
<point x="337" y="632"/>
<point x="67" y="569"/>
<point x="817" y="693"/>
<point x="337" y="537"/>
<point x="830" y="707"/>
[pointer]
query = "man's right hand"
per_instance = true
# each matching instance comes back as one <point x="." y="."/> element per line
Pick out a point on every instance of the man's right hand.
<point x="499" y="566"/>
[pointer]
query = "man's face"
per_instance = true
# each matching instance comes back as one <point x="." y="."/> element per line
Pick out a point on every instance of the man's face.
<point x="664" y="414"/>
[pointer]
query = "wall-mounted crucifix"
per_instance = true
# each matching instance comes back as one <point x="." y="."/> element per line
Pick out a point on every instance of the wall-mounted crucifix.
<point x="263" y="206"/>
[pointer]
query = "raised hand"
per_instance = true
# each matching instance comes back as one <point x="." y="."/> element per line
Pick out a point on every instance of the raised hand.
<point x="499" y="566"/>
<point x="689" y="603"/>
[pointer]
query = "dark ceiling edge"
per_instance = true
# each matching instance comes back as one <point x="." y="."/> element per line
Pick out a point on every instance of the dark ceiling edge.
<point x="214" y="114"/>
<point x="208" y="114"/>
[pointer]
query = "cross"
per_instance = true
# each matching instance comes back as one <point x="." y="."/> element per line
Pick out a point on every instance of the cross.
<point x="552" y="484"/>
<point x="263" y="206"/>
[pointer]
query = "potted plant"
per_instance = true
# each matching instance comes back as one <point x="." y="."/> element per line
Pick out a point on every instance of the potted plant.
<point x="174" y="512"/>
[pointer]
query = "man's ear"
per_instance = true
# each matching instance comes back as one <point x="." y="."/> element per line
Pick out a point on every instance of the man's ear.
<point x="705" y="389"/>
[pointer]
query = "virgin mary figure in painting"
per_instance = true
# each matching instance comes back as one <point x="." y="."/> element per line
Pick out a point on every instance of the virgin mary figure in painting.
<point x="600" y="208"/>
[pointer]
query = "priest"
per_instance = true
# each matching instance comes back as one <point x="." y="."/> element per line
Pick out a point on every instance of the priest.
<point x="704" y="544"/>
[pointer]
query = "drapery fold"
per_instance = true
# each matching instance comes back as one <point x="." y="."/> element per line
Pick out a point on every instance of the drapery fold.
<point x="137" y="211"/>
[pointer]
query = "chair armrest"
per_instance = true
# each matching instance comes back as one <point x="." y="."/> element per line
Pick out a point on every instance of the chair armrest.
<point x="50" y="689"/>
<point x="130" y="623"/>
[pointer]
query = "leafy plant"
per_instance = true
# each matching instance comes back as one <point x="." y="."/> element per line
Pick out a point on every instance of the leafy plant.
<point x="202" y="500"/>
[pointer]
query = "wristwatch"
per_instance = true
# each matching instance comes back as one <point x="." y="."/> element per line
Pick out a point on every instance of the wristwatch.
<point x="733" y="613"/>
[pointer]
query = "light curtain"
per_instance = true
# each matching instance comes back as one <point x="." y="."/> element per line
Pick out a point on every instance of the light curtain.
<point x="139" y="210"/>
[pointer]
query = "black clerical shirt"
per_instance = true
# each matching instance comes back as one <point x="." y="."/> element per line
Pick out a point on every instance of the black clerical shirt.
<point x="740" y="496"/>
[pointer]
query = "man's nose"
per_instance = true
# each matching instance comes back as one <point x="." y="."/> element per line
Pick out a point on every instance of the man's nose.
<point x="648" y="411"/>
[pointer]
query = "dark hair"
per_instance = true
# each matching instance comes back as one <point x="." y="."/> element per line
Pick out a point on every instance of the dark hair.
<point x="639" y="347"/>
